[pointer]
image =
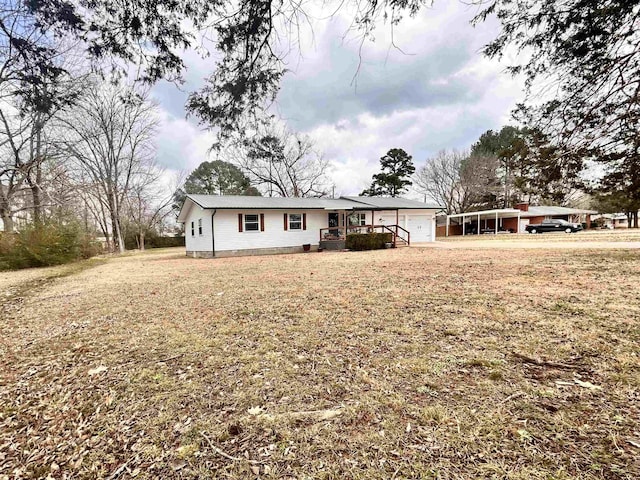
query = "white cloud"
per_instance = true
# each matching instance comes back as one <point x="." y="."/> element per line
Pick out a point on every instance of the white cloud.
<point x="442" y="94"/>
<point x="181" y="145"/>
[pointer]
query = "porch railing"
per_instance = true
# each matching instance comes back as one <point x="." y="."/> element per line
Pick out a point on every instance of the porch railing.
<point x="398" y="233"/>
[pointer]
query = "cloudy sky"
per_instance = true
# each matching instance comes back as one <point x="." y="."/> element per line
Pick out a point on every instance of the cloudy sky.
<point x="435" y="91"/>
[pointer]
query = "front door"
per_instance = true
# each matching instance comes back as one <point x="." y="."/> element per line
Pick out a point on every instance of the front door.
<point x="334" y="221"/>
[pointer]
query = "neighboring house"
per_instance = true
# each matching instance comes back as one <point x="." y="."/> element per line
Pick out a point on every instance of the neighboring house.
<point x="613" y="220"/>
<point x="513" y="220"/>
<point x="238" y="225"/>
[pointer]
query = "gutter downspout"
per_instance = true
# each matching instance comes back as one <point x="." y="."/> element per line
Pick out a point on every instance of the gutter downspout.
<point x="213" y="238"/>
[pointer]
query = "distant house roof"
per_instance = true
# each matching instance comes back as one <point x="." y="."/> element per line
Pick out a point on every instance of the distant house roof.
<point x="550" y="210"/>
<point x="613" y="216"/>
<point x="240" y="202"/>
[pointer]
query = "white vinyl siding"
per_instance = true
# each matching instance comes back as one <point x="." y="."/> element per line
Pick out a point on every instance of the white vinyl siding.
<point x="274" y="235"/>
<point x="198" y="243"/>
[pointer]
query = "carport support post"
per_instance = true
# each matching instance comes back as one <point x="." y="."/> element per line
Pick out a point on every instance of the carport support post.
<point x="463" y="225"/>
<point x="496" y="225"/>
<point x="518" y="227"/>
<point x="478" y="224"/>
<point x="446" y="234"/>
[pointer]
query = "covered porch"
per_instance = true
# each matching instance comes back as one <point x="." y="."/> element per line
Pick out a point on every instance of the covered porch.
<point x="361" y="221"/>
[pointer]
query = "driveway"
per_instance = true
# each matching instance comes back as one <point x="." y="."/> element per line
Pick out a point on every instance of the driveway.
<point x="599" y="239"/>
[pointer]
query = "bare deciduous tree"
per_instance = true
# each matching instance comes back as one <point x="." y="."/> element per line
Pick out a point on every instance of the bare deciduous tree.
<point x="458" y="181"/>
<point x="282" y="162"/>
<point x="148" y="204"/>
<point x="110" y="136"/>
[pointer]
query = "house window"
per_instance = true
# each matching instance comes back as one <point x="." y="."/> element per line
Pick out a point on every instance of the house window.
<point x="193" y="229"/>
<point x="295" y="221"/>
<point x="358" y="219"/>
<point x="200" y="226"/>
<point x="251" y="223"/>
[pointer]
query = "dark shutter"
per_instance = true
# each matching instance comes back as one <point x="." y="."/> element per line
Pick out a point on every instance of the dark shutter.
<point x="262" y="222"/>
<point x="286" y="224"/>
<point x="304" y="221"/>
<point x="239" y="222"/>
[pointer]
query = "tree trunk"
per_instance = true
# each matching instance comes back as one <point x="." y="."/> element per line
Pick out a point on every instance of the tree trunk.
<point x="7" y="220"/>
<point x="35" y="184"/>
<point x="635" y="219"/>
<point x="117" y="234"/>
<point x="141" y="241"/>
<point x="36" y="194"/>
<point x="115" y="223"/>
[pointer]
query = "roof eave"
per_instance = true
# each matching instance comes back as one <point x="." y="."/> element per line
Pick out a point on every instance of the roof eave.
<point x="189" y="198"/>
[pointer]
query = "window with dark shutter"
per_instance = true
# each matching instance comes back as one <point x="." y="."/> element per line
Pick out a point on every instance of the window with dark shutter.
<point x="252" y="223"/>
<point x="295" y="221"/>
<point x="239" y="222"/>
<point x="286" y="222"/>
<point x="262" y="222"/>
<point x="304" y="221"/>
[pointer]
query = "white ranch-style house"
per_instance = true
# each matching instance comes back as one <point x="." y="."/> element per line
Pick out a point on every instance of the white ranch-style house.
<point x="219" y="226"/>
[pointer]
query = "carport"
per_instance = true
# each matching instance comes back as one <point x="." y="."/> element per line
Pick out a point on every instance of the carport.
<point x="487" y="221"/>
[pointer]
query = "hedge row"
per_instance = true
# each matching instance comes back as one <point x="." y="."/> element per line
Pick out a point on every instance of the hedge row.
<point x="47" y="244"/>
<point x="153" y="241"/>
<point x="367" y="241"/>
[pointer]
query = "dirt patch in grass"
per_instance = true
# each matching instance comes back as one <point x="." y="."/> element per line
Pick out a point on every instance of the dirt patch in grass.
<point x="408" y="363"/>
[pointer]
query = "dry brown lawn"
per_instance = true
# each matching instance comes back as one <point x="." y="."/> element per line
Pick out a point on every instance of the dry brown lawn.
<point x="407" y="363"/>
<point x="623" y="235"/>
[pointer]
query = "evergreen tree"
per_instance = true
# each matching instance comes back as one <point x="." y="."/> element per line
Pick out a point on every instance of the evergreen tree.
<point x="397" y="168"/>
<point x="215" y="178"/>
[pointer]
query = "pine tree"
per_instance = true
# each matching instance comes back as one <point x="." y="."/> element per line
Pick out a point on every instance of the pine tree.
<point x="397" y="167"/>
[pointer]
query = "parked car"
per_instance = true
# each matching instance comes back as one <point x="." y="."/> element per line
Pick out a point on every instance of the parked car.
<point x="554" y="226"/>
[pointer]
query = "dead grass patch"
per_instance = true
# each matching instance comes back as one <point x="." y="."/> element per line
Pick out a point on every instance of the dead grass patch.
<point x="358" y="365"/>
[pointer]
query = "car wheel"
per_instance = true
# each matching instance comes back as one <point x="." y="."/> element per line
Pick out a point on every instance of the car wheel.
<point x="568" y="230"/>
<point x="533" y="230"/>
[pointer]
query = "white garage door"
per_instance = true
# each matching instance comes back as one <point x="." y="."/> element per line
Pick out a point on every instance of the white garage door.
<point x="420" y="228"/>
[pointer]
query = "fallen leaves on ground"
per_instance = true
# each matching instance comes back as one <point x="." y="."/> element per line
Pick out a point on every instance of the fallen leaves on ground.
<point x="388" y="364"/>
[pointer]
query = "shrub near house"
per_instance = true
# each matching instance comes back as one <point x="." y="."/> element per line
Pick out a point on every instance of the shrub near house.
<point x="367" y="241"/>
